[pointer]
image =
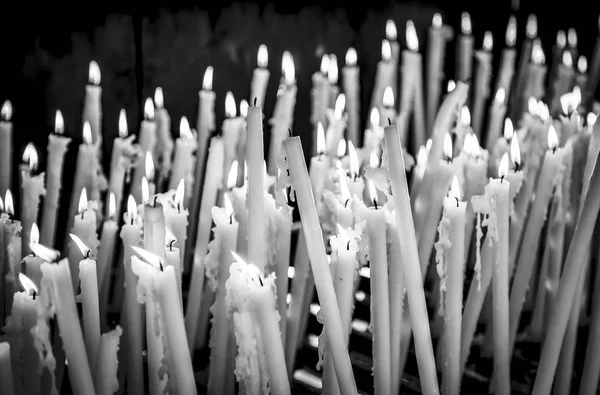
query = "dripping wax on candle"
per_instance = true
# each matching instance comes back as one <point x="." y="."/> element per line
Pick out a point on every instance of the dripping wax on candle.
<point x="260" y="77"/>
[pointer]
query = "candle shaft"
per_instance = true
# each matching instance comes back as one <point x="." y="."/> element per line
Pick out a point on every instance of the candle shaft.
<point x="91" y="314"/>
<point x="6" y="142"/>
<point x="256" y="207"/>
<point x="57" y="147"/>
<point x="106" y="372"/>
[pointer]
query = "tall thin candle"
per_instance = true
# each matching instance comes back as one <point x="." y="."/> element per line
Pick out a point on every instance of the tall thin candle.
<point x="6" y="143"/>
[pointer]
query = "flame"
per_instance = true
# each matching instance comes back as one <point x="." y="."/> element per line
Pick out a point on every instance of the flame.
<point x="515" y="151"/>
<point x="27" y="285"/>
<point x="123" y="132"/>
<point x="244" y="108"/>
<point x="321" y="142"/>
<point x="149" y="257"/>
<point x="145" y="190"/>
<point x="503" y="166"/>
<point x="412" y="40"/>
<point x="436" y="21"/>
<point x="511" y="32"/>
<point x="33" y="160"/>
<point x="391" y="33"/>
<point x="131" y="207"/>
<point x="6" y="111"/>
<point x="2" y="202"/>
<point x="531" y="27"/>
<point x="83" y="201"/>
<point x="262" y="58"/>
<point x="59" y="123"/>
<point x="372" y="192"/>
<point x="29" y="152"/>
<point x="158" y="97"/>
<point x="465" y="23"/>
<point x="227" y="205"/>
<point x="591" y="119"/>
<point x="87" y="133"/>
<point x="455" y="189"/>
<point x="94" y="73"/>
<point x="232" y="176"/>
<point x="552" y="138"/>
<point x="465" y="116"/>
<point x="543" y="112"/>
<point x="289" y="70"/>
<point x="537" y="53"/>
<point x="354" y="163"/>
<point x="567" y="59"/>
<point x="386" y="51"/>
<point x="149" y="166"/>
<point x="374" y="118"/>
<point x="324" y="64"/>
<point x="561" y="39"/>
<point x="207" y="81"/>
<point x="180" y="194"/>
<point x="34" y="233"/>
<point x="488" y="41"/>
<point x="572" y="37"/>
<point x="339" y="107"/>
<point x="351" y="57"/>
<point x="388" y="97"/>
<point x="532" y="105"/>
<point x="582" y="64"/>
<point x="344" y="191"/>
<point x="509" y="129"/>
<point x="85" y="250"/>
<point x="471" y="144"/>
<point x="428" y="145"/>
<point x="570" y="101"/>
<point x="230" y="108"/>
<point x="500" y="96"/>
<point x="332" y="72"/>
<point x="112" y="205"/>
<point x="149" y="109"/>
<point x="447" y="148"/>
<point x="46" y="253"/>
<point x="374" y="160"/>
<point x="422" y="156"/>
<point x="451" y="86"/>
<point x="341" y="149"/>
<point x="8" y="203"/>
<point x="184" y="129"/>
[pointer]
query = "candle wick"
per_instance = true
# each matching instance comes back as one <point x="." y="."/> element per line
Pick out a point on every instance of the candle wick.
<point x="554" y="150"/>
<point x="390" y="121"/>
<point x="290" y="132"/>
<point x="155" y="199"/>
<point x="501" y="179"/>
<point x="161" y="266"/>
<point x="132" y="220"/>
<point x="348" y="245"/>
<point x="375" y="203"/>
<point x="261" y="283"/>
<point x="33" y="294"/>
<point x="457" y="201"/>
<point x="346" y="203"/>
<point x="82" y="214"/>
<point x="254" y="101"/>
<point x="171" y="245"/>
<point x="87" y="254"/>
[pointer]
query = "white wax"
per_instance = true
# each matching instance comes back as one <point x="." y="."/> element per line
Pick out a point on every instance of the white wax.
<point x="5" y="369"/>
<point x="91" y="314"/>
<point x="106" y="382"/>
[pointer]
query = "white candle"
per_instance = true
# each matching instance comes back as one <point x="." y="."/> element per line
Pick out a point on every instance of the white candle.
<point x="385" y="75"/>
<point x="230" y="132"/>
<point x="32" y="187"/>
<point x="506" y="69"/>
<point x="6" y="375"/>
<point x="177" y="221"/>
<point x="481" y="85"/>
<point x="92" y="107"/>
<point x="84" y="226"/>
<point x="260" y="76"/>
<point x="337" y="125"/>
<point x="106" y="382"/>
<point x="12" y="246"/>
<point x="147" y="142"/>
<point x="439" y="35"/>
<point x="319" y="96"/>
<point x="524" y="58"/>
<point x="6" y="142"/>
<point x="124" y="156"/>
<point x="495" y="119"/>
<point x="154" y="228"/>
<point x="464" y="49"/>
<point x="256" y="207"/>
<point x="164" y="142"/>
<point x="106" y="256"/>
<point x="351" y="86"/>
<point x="183" y="163"/>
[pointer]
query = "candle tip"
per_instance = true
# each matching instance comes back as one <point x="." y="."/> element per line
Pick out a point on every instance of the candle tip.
<point x="412" y="40"/>
<point x="437" y="20"/>
<point x="207" y="81"/>
<point x="59" y="123"/>
<point x="572" y="37"/>
<point x="515" y="152"/>
<point x="389" y="121"/>
<point x="94" y="73"/>
<point x="230" y="107"/>
<point x="184" y="129"/>
<point x="123" y="131"/>
<point x="332" y="71"/>
<point x="262" y="58"/>
<point x="149" y="109"/>
<point x="6" y="111"/>
<point x="386" y="51"/>
<point x="289" y="70"/>
<point x="391" y="33"/>
<point x="158" y="97"/>
<point x="8" y="203"/>
<point x="531" y="27"/>
<point x="488" y="41"/>
<point x="582" y="64"/>
<point x="388" y="97"/>
<point x="28" y="285"/>
<point x="465" y="23"/>
<point x="351" y="57"/>
<point x="561" y="39"/>
<point x="83" y="201"/>
<point x="324" y="64"/>
<point x="511" y="31"/>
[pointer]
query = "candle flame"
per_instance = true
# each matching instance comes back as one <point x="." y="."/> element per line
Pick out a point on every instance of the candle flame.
<point x="428" y="145"/>
<point x="184" y="129"/>
<point x="85" y="250"/>
<point x="451" y="86"/>
<point x="262" y="58"/>
<point x="531" y="27"/>
<point x="145" y="190"/>
<point x="8" y="203"/>
<point x="503" y="166"/>
<point x="454" y="191"/>
<point x="149" y="109"/>
<point x="532" y="105"/>
<point x="351" y="57"/>
<point x="27" y="285"/>
<point x="344" y="191"/>
<point x="180" y="194"/>
<point x="321" y="142"/>
<point x="131" y="207"/>
<point x="149" y="257"/>
<point x="123" y="130"/>
<point x="567" y="59"/>
<point x="94" y="73"/>
<point x="465" y="23"/>
<point x="339" y="107"/>
<point x="515" y="151"/>
<point x="570" y="101"/>
<point x="341" y="149"/>
<point x="388" y="97"/>
<point x="561" y="39"/>
<point x="488" y="41"/>
<point x="412" y="40"/>
<point x="30" y="155"/>
<point x="552" y="138"/>
<point x="2" y="201"/>
<point x="374" y="118"/>
<point x="207" y="81"/>
<point x="244" y="108"/>
<point x="582" y="64"/>
<point x="332" y="72"/>
<point x="436" y="21"/>
<point x="354" y="163"/>
<point x="391" y="33"/>
<point x="232" y="176"/>
<point x="511" y="32"/>
<point x="149" y="166"/>
<point x="543" y="112"/>
<point x="227" y="205"/>
<point x="83" y="201"/>
<point x="374" y="159"/>
<point x="33" y="160"/>
<point x="465" y="117"/>
<point x="46" y="253"/>
<point x="230" y="108"/>
<point x="422" y="156"/>
<point x="289" y="70"/>
<point x="447" y="147"/>
<point x="112" y="205"/>
<point x="591" y="120"/>
<point x="471" y="144"/>
<point x="158" y="97"/>
<point x="537" y="53"/>
<point x="386" y="51"/>
<point x="324" y="64"/>
<point x="34" y="233"/>
<point x="572" y="37"/>
<point x="6" y="111"/>
<point x="509" y="129"/>
<point x="87" y="133"/>
<point x="500" y="96"/>
<point x="372" y="191"/>
<point x="59" y="123"/>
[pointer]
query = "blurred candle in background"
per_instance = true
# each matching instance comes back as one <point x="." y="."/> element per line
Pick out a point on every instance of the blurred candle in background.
<point x="6" y="144"/>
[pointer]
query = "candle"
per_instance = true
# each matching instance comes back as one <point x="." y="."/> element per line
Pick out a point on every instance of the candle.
<point x="147" y="142"/>
<point x="84" y="226"/>
<point x="57" y="147"/>
<point x="256" y="207"/>
<point x="177" y="221"/>
<point x="283" y="114"/>
<point x="374" y="134"/>
<point x="594" y="72"/>
<point x="581" y="77"/>
<point x="385" y="75"/>
<point x="495" y="119"/>
<point x="173" y="259"/>
<point x="6" y="369"/>
<point x="319" y="95"/>
<point x="89" y="299"/>
<point x="12" y="245"/>
<point x="565" y="79"/>
<point x="410" y="257"/>
<point x="387" y="111"/>
<point x="106" y="372"/>
<point x="260" y="76"/>
<point x="230" y="132"/>
<point x="30" y="264"/>
<point x="332" y="78"/>
<point x="164" y="143"/>
<point x="524" y="60"/>
<point x="536" y="75"/>
<point x="506" y="69"/>
<point x="183" y="163"/>
<point x="6" y="142"/>
<point x="439" y="35"/>
<point x="106" y="255"/>
<point x="92" y="105"/>
<point x="32" y="187"/>
<point x="337" y="125"/>
<point x="124" y="156"/>
<point x="464" y="49"/>
<point x="351" y="87"/>
<point x="481" y="86"/>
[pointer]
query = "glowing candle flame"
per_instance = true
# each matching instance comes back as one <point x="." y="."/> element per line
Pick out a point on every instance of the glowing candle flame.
<point x="158" y="97"/>
<point x="422" y="156"/>
<point x="465" y="116"/>
<point x="80" y="244"/>
<point x="511" y="32"/>
<point x="582" y="64"/>
<point x="561" y="39"/>
<point x="149" y="257"/>
<point x="230" y="108"/>
<point x="180" y="194"/>
<point x="324" y="64"/>
<point x="515" y="151"/>
<point x="28" y="153"/>
<point x="591" y="120"/>
<point x="332" y="72"/>
<point x="232" y="176"/>
<point x="6" y="111"/>
<point x="447" y="147"/>
<point x="34" y="234"/>
<point x="372" y="192"/>
<point x="321" y="142"/>
<point x="570" y="101"/>
<point x="488" y="41"/>
<point x="244" y="108"/>
<point x="454" y="191"/>
<point x="227" y="205"/>
<point x="500" y="96"/>
<point x="509" y="129"/>
<point x="344" y="191"/>
<point x="428" y="145"/>
<point x="552" y="138"/>
<point x="59" y="123"/>
<point x="46" y="253"/>
<point x="8" y="203"/>
<point x="537" y="53"/>
<point x="567" y="59"/>
<point x="341" y="149"/>
<point x="436" y="21"/>
<point x="471" y="144"/>
<point x="33" y="160"/>
<point x="112" y="206"/>
<point x="543" y="112"/>
<point x="531" y="27"/>
<point x="145" y="190"/>
<point x="572" y="38"/>
<point x="503" y="166"/>
<point x="184" y="129"/>
<point x="1" y="205"/>
<point x="465" y="23"/>
<point x="262" y="58"/>
<point x="149" y="166"/>
<point x="532" y="105"/>
<point x="149" y="109"/>
<point x="374" y="117"/>
<point x="388" y="97"/>
<point x="354" y="162"/>
<point x="412" y="40"/>
<point x="289" y="70"/>
<point x="83" y="201"/>
<point x="351" y="57"/>
<point x="391" y="33"/>
<point x="386" y="51"/>
<point x="340" y="106"/>
<point x="207" y="81"/>
<point x="131" y="207"/>
<point x="27" y="285"/>
<point x="451" y="86"/>
<point x="87" y="133"/>
<point x="94" y="73"/>
<point x="123" y="132"/>
<point x="374" y="160"/>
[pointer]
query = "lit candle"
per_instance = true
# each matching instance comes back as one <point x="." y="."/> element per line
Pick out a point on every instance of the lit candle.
<point x="84" y="226"/>
<point x="374" y="134"/>
<point x="439" y="35"/>
<point x="495" y="119"/>
<point x="147" y="142"/>
<point x="351" y="86"/>
<point x="183" y="163"/>
<point x="385" y="75"/>
<point x="332" y="78"/>
<point x="12" y="246"/>
<point x="6" y="142"/>
<point x="32" y="187"/>
<point x="230" y="132"/>
<point x="535" y="78"/>
<point x="557" y="50"/>
<point x="387" y="110"/>
<point x="319" y="96"/>
<point x="464" y="49"/>
<point x="106" y="372"/>
<point x="30" y="264"/>
<point x="92" y="106"/>
<point x="106" y="256"/>
<point x="531" y="29"/>
<point x="582" y="77"/>
<point x="241" y="148"/>
<point x="506" y="69"/>
<point x="154" y="228"/>
<point x="256" y="208"/>
<point x="563" y="84"/>
<point x="6" y="374"/>
<point x="481" y="86"/>
<point x="337" y="125"/>
<point x="570" y="120"/>
<point x="356" y="183"/>
<point x="260" y="76"/>
<point x="124" y="156"/>
<point x="283" y="114"/>
<point x="164" y="142"/>
<point x="177" y="220"/>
